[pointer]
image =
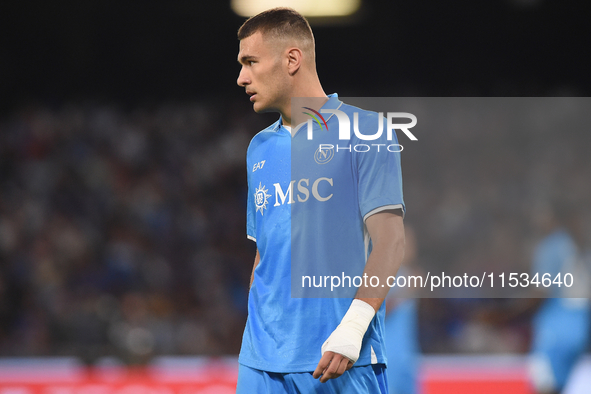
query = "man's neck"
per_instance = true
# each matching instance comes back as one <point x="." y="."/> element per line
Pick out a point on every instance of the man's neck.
<point x="311" y="89"/>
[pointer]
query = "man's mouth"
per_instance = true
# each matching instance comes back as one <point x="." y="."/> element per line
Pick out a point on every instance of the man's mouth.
<point x="251" y="94"/>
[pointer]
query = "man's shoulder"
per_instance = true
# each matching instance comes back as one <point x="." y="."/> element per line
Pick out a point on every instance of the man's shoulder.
<point x="350" y="109"/>
<point x="559" y="239"/>
<point x="362" y="117"/>
<point x="263" y="135"/>
<point x="259" y="140"/>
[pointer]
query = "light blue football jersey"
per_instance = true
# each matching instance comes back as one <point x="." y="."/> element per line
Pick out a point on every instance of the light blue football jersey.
<point x="306" y="210"/>
<point x="561" y="325"/>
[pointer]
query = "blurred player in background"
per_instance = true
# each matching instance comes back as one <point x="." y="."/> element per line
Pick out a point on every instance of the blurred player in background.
<point x="561" y="325"/>
<point x="402" y="328"/>
<point x="311" y="345"/>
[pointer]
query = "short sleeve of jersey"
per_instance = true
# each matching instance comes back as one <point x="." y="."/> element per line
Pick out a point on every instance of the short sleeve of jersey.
<point x="250" y="205"/>
<point x="379" y="171"/>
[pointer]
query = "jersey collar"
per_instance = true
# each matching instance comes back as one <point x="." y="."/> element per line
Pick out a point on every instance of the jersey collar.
<point x="332" y="103"/>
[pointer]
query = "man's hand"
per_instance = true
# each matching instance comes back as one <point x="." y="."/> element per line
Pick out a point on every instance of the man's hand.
<point x="341" y="349"/>
<point x="331" y="365"/>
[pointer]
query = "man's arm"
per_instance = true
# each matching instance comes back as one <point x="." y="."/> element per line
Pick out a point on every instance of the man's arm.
<point x="257" y="258"/>
<point x="386" y="230"/>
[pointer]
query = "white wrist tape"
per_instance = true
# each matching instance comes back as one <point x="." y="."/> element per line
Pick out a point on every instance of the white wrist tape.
<point x="347" y="337"/>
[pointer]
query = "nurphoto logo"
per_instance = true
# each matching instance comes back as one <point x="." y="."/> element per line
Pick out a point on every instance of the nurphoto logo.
<point x="316" y="118"/>
<point x="345" y="131"/>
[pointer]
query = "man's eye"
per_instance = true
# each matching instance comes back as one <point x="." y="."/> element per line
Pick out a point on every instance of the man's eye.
<point x="251" y="62"/>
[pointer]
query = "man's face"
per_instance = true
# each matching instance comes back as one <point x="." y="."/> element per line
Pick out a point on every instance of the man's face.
<point x="262" y="73"/>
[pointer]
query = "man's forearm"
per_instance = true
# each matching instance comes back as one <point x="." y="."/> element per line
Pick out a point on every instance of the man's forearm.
<point x="342" y="348"/>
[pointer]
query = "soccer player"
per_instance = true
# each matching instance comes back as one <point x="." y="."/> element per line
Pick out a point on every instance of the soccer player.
<point x="561" y="324"/>
<point x="402" y="338"/>
<point x="316" y="207"/>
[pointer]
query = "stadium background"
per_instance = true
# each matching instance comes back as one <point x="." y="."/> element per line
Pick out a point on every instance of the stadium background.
<point x="122" y="179"/>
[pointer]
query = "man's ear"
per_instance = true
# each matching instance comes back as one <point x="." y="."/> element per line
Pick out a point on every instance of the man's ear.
<point x="294" y="60"/>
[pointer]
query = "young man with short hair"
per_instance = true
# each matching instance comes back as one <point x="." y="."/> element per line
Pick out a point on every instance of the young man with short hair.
<point x="349" y="209"/>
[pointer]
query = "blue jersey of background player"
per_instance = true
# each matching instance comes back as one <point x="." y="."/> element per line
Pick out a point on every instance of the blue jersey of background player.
<point x="402" y="327"/>
<point x="561" y="324"/>
<point x="277" y="58"/>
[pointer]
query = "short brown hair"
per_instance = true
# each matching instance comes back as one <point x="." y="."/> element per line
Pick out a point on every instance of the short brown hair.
<point x="280" y="22"/>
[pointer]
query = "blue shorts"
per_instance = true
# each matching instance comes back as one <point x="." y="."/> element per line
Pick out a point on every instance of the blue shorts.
<point x="369" y="379"/>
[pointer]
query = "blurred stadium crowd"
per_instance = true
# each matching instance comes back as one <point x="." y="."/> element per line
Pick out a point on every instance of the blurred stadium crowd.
<point x="122" y="231"/>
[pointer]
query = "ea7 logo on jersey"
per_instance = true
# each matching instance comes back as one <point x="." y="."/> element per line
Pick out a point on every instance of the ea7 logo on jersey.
<point x="258" y="166"/>
<point x="261" y="197"/>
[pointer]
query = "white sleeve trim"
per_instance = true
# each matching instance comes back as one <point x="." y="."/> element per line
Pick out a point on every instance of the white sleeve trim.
<point x="383" y="208"/>
<point x="251" y="238"/>
<point x="374" y="358"/>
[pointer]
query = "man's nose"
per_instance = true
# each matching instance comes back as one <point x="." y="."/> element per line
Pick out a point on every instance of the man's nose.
<point x="243" y="78"/>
